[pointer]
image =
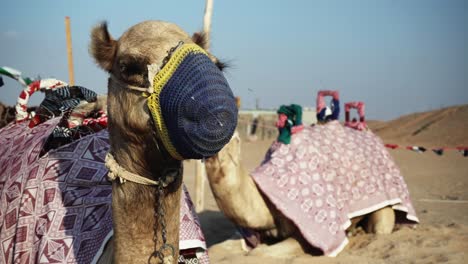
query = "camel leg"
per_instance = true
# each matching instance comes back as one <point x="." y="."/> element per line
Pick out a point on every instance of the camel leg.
<point x="354" y="222"/>
<point x="287" y="248"/>
<point x="353" y="228"/>
<point x="381" y="221"/>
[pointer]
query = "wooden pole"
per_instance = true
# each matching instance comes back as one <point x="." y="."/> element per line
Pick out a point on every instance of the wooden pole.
<point x="200" y="176"/>
<point x="69" y="51"/>
<point x="200" y="179"/>
<point x="207" y="22"/>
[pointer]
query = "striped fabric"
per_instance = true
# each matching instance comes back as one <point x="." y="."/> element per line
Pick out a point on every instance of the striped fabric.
<point x="59" y="101"/>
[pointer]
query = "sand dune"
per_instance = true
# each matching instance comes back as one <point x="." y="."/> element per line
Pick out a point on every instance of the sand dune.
<point x="443" y="127"/>
<point x="438" y="186"/>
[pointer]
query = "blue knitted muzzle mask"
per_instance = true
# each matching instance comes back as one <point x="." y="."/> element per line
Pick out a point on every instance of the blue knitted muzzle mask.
<point x="192" y="106"/>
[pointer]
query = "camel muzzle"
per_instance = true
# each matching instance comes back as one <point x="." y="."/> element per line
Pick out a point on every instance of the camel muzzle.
<point x="193" y="109"/>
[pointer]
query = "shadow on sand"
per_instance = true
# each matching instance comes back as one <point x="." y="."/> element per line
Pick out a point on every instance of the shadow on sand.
<point x="216" y="227"/>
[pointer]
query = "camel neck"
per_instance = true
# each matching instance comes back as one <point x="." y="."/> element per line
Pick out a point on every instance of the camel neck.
<point x="135" y="206"/>
<point x="137" y="229"/>
<point x="137" y="158"/>
<point x="235" y="191"/>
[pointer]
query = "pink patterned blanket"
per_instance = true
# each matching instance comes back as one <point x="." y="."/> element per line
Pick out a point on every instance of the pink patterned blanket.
<point x="57" y="208"/>
<point x="327" y="175"/>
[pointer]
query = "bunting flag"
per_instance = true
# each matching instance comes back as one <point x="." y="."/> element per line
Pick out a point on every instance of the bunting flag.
<point x="463" y="151"/>
<point x="391" y="146"/>
<point x="15" y="74"/>
<point x="417" y="149"/>
<point x="438" y="151"/>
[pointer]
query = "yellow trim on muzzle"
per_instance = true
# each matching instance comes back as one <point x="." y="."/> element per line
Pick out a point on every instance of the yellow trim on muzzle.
<point x="159" y="82"/>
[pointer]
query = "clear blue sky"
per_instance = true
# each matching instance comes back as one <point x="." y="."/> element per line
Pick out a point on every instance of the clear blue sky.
<point x="397" y="56"/>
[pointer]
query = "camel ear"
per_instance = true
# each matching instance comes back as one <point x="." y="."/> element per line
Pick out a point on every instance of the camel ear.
<point x="200" y="39"/>
<point x="103" y="47"/>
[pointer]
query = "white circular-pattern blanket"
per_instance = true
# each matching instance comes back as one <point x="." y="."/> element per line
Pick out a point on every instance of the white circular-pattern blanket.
<point x="327" y="175"/>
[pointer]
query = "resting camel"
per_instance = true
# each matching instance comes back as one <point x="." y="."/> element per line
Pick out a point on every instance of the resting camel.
<point x="238" y="197"/>
<point x="7" y="114"/>
<point x="146" y="217"/>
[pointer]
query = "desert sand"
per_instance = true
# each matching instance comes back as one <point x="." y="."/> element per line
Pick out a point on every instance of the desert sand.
<point x="438" y="186"/>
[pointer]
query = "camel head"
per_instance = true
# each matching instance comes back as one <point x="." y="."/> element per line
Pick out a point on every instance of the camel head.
<point x="164" y="87"/>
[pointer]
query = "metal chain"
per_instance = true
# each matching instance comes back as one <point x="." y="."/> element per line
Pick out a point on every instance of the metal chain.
<point x="159" y="211"/>
<point x="169" y="53"/>
<point x="159" y="214"/>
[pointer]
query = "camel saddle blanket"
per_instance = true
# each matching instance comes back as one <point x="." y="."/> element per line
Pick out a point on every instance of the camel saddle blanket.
<point x="57" y="208"/>
<point x="328" y="175"/>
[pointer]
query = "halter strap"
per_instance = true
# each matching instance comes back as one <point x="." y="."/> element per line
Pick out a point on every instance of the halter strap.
<point x="153" y="69"/>
<point x="116" y="171"/>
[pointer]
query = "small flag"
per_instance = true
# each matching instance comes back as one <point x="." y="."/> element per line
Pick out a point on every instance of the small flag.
<point x="417" y="149"/>
<point x="392" y="146"/>
<point x="10" y="72"/>
<point x="463" y="151"/>
<point x="14" y="74"/>
<point x="439" y="151"/>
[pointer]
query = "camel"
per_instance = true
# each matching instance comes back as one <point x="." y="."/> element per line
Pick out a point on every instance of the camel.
<point x="238" y="197"/>
<point x="145" y="217"/>
<point x="7" y="114"/>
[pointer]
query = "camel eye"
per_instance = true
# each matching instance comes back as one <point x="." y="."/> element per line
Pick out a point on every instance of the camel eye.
<point x="123" y="68"/>
<point x="132" y="68"/>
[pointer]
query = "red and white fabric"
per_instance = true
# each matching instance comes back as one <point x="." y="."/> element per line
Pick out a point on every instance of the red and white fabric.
<point x="98" y="122"/>
<point x="361" y="123"/>
<point x="191" y="235"/>
<point x="328" y="175"/>
<point x="23" y="99"/>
